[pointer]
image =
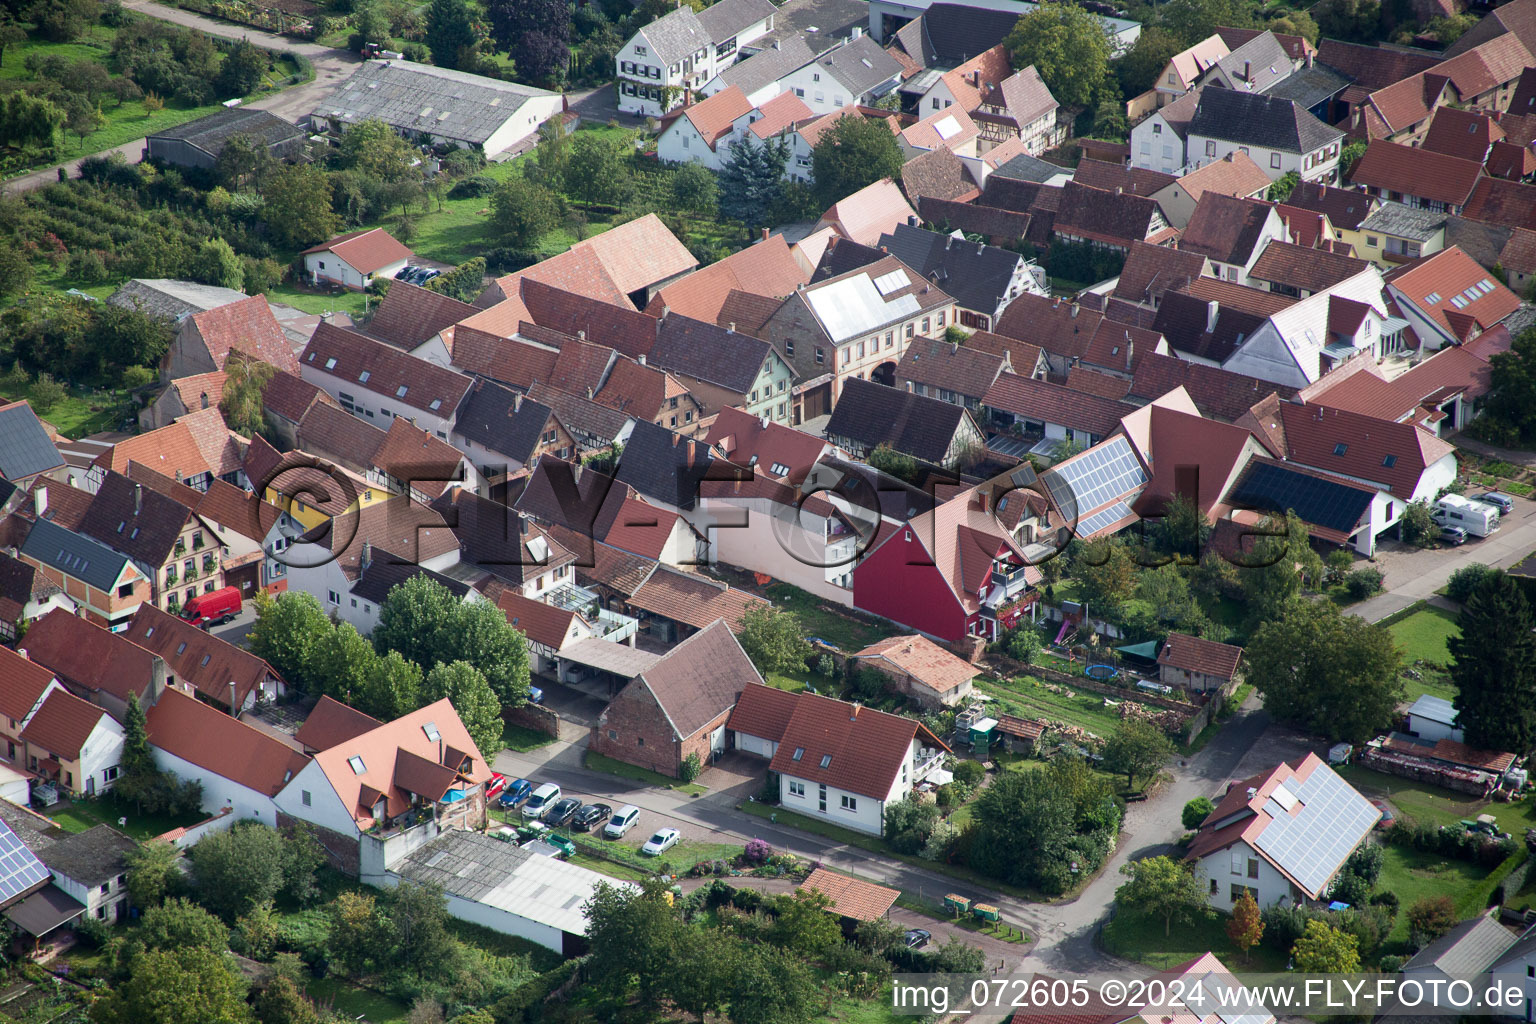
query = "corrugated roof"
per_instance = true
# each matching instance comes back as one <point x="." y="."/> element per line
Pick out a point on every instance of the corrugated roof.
<point x="425" y="99"/>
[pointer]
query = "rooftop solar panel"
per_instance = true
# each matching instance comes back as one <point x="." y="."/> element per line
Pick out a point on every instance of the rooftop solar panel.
<point x="1102" y="473"/>
<point x="1102" y="520"/>
<point x="1268" y="487"/>
<point x="20" y="869"/>
<point x="1311" y="845"/>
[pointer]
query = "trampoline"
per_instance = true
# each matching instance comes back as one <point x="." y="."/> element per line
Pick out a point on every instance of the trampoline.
<point x="1103" y="673"/>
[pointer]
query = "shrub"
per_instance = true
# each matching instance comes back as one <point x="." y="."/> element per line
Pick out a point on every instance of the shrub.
<point x="969" y="773"/>
<point x="417" y="52"/>
<point x="1387" y="898"/>
<point x="1196" y="811"/>
<point x="1429" y="918"/>
<point x="825" y="666"/>
<point x="756" y="851"/>
<point x="1466" y="579"/>
<point x="474" y="187"/>
<point x="1362" y="583"/>
<point x="691" y="768"/>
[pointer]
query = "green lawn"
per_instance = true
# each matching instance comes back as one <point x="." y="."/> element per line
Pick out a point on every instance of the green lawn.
<point x="82" y="412"/>
<point x="1415" y="874"/>
<point x="357" y="1003"/>
<point x="80" y="815"/>
<point x="1422" y="635"/>
<point x="1141" y="937"/>
<point x="1082" y="709"/>
<point x="126" y="121"/>
<point x="1423" y="802"/>
<point x="522" y="739"/>
<point x="610" y="868"/>
<point x="354" y="304"/>
<point x="797" y="681"/>
<point x="845" y="632"/>
<point x="600" y="763"/>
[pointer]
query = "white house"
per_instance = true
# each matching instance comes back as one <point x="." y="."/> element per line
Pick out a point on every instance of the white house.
<point x="702" y="132"/>
<point x="1281" y="836"/>
<point x="240" y="768"/>
<point x="836" y="761"/>
<point x="355" y="260"/>
<point x="856" y="72"/>
<point x="1518" y="967"/>
<point x="73" y="744"/>
<point x="378" y="382"/>
<point x="681" y="51"/>
<point x="1279" y="134"/>
<point x="91" y="868"/>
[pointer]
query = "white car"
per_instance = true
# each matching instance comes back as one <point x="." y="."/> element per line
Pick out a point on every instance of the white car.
<point x="661" y="842"/>
<point x="622" y="821"/>
<point x="541" y="800"/>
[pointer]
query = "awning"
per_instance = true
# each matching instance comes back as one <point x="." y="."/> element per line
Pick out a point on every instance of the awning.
<point x="1147" y="650"/>
<point x="48" y="908"/>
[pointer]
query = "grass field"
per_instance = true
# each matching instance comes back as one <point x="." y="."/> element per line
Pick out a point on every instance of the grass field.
<point x="1422" y="636"/>
<point x="126" y="121"/>
<point x="522" y="740"/>
<point x="1415" y="874"/>
<point x="599" y="763"/>
<point x="82" y="412"/>
<point x="844" y="632"/>
<point x="610" y="868"/>
<point x="1141" y="937"/>
<point x="1084" y="710"/>
<point x="354" y="304"/>
<point x="80" y="815"/>
<point x="356" y="1003"/>
<point x="1423" y="802"/>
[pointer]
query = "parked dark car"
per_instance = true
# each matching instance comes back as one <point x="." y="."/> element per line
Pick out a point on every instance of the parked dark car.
<point x="561" y="811"/>
<point x="590" y="816"/>
<point x="917" y="938"/>
<point x="514" y="793"/>
<point x="1499" y="500"/>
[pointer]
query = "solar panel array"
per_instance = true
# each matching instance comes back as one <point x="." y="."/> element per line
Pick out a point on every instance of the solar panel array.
<point x="20" y="869"/>
<point x="1102" y="520"/>
<point x="1312" y="845"/>
<point x="1100" y="474"/>
<point x="1276" y="489"/>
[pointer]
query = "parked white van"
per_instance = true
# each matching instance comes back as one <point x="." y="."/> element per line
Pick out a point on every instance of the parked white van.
<point x="1475" y="517"/>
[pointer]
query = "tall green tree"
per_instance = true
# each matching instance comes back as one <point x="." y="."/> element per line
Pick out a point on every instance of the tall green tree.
<point x="1067" y="45"/>
<point x="180" y="924"/>
<point x="175" y="986"/>
<point x="418" y="925"/>
<point x="286" y="632"/>
<point x="376" y="150"/>
<point x="298" y="205"/>
<point x="597" y="169"/>
<point x="451" y="34"/>
<point x="1137" y="749"/>
<point x="773" y="987"/>
<point x="1194" y="20"/>
<point x="242" y="405"/>
<point x="774" y="639"/>
<point x="703" y="971"/>
<point x="1494" y="667"/>
<point x="752" y="179"/>
<point x="473" y="700"/>
<point x="1511" y="403"/>
<point x="1139" y="68"/>
<point x="1327" y="673"/>
<point x="1162" y="887"/>
<point x="522" y="212"/>
<point x="1324" y="949"/>
<point x="464" y="282"/>
<point x="855" y="152"/>
<point x="244" y="66"/>
<point x="634" y="936"/>
<point x="219" y="265"/>
<point x="238" y="868"/>
<point x="426" y="624"/>
<point x="154" y="872"/>
<point x="392" y="687"/>
<point x="1271" y="572"/>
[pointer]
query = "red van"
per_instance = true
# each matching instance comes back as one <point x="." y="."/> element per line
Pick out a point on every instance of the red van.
<point x="213" y="608"/>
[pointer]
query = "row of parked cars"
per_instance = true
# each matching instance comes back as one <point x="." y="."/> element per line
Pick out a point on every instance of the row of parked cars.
<point x="1477" y="515"/>
<point x="547" y="805"/>
<point x="418" y="275"/>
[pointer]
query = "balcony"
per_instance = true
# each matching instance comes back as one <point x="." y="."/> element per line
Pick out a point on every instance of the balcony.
<point x="927" y="762"/>
<point x="1007" y="584"/>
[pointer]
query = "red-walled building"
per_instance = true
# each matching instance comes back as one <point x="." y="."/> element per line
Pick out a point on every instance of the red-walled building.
<point x="951" y="573"/>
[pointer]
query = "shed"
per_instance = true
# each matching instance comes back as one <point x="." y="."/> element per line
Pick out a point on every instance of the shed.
<point x="982" y="734"/>
<point x="852" y="897"/>
<point x="1433" y="718"/>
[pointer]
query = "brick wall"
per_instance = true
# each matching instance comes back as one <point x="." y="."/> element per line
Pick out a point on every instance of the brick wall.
<point x="340" y="850"/>
<point x="635" y="730"/>
<point x="531" y="716"/>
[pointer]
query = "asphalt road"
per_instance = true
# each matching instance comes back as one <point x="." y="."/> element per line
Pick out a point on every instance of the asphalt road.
<point x="331" y="66"/>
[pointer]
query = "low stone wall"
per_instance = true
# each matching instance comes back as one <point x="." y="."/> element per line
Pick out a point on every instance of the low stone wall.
<point x="531" y="716"/>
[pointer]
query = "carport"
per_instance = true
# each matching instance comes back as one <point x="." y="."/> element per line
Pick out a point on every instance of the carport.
<point x="601" y="668"/>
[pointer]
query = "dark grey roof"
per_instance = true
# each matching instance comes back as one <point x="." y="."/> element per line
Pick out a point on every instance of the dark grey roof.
<point x="44" y="910"/>
<point x="844" y="255"/>
<point x="954" y="33"/>
<point x="675" y="35"/>
<point x="728" y="18"/>
<point x="668" y="467"/>
<point x="137" y="520"/>
<point x="1404" y="221"/>
<point x="25" y="449"/>
<point x="74" y="554"/>
<point x="819" y="23"/>
<point x="412" y="97"/>
<point x="1483" y="242"/>
<point x="1251" y="119"/>
<point x="1465" y="950"/>
<point x="170" y="299"/>
<point x="867" y="487"/>
<point x="977" y="276"/>
<point x="587" y="420"/>
<point x="871" y="414"/>
<point x="1263" y="57"/>
<point x="210" y="133"/>
<point x="1310" y="86"/>
<point x="92" y="857"/>
<point x="1029" y="168"/>
<point x="715" y="355"/>
<point x="763" y="69"/>
<point x="860" y="65"/>
<point x="502" y="420"/>
<point x="387" y="571"/>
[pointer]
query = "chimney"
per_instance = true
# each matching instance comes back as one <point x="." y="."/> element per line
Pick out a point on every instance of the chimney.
<point x="1252" y="792"/>
<point x="1212" y="311"/>
<point x="40" y="501"/>
<point x="690" y="449"/>
<point x="234" y="709"/>
<point x="589" y="391"/>
<point x="517" y="401"/>
<point x="1308" y="57"/>
<point x="178" y="476"/>
<point x="858" y="30"/>
<point x="138" y="498"/>
<point x="367" y="557"/>
<point x="1248" y="71"/>
<point x="1130" y="351"/>
<point x="730" y="328"/>
<point x="765" y="230"/>
<point x="911" y="222"/>
<point x="909" y="387"/>
<point x="581" y="335"/>
<point x="640" y="358"/>
<point x="1322" y="190"/>
<point x="1074" y="309"/>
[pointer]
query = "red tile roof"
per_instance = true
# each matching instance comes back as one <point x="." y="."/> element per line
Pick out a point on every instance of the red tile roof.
<point x="1415" y="171"/>
<point x="198" y="657"/>
<point x="1507" y="204"/>
<point x="1393" y="455"/>
<point x="1196" y="654"/>
<point x="208" y="738"/>
<point x="951" y="127"/>
<point x="768" y="268"/>
<point x="783" y="111"/>
<point x="852" y="897"/>
<point x="870" y="212"/>
<point x="1519" y="253"/>
<point x="423" y="461"/>
<point x="1150" y="270"/>
<point x="400" y="376"/>
<point x="745" y="439"/>
<point x="542" y="623"/>
<point x="693" y="600"/>
<point x="1095" y="382"/>
<point x="1466" y="134"/>
<point x="1217" y="392"/>
<point x="937" y="174"/>
<point x="246" y="325"/>
<point x="853" y="748"/>
<point x="1454" y="291"/>
<point x="410" y="315"/>
<point x="1235" y="175"/>
<point x="364" y="251"/>
<point x="580" y="314"/>
<point x="22" y="683"/>
<point x="762" y="711"/>
<point x="86" y="655"/>
<point x="63" y="724"/>
<point x="332" y="722"/>
<point x="639" y="253"/>
<point x="713" y="116"/>
<point x="1044" y="402"/>
<point x="1311" y="270"/>
<point x="923" y="660"/>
